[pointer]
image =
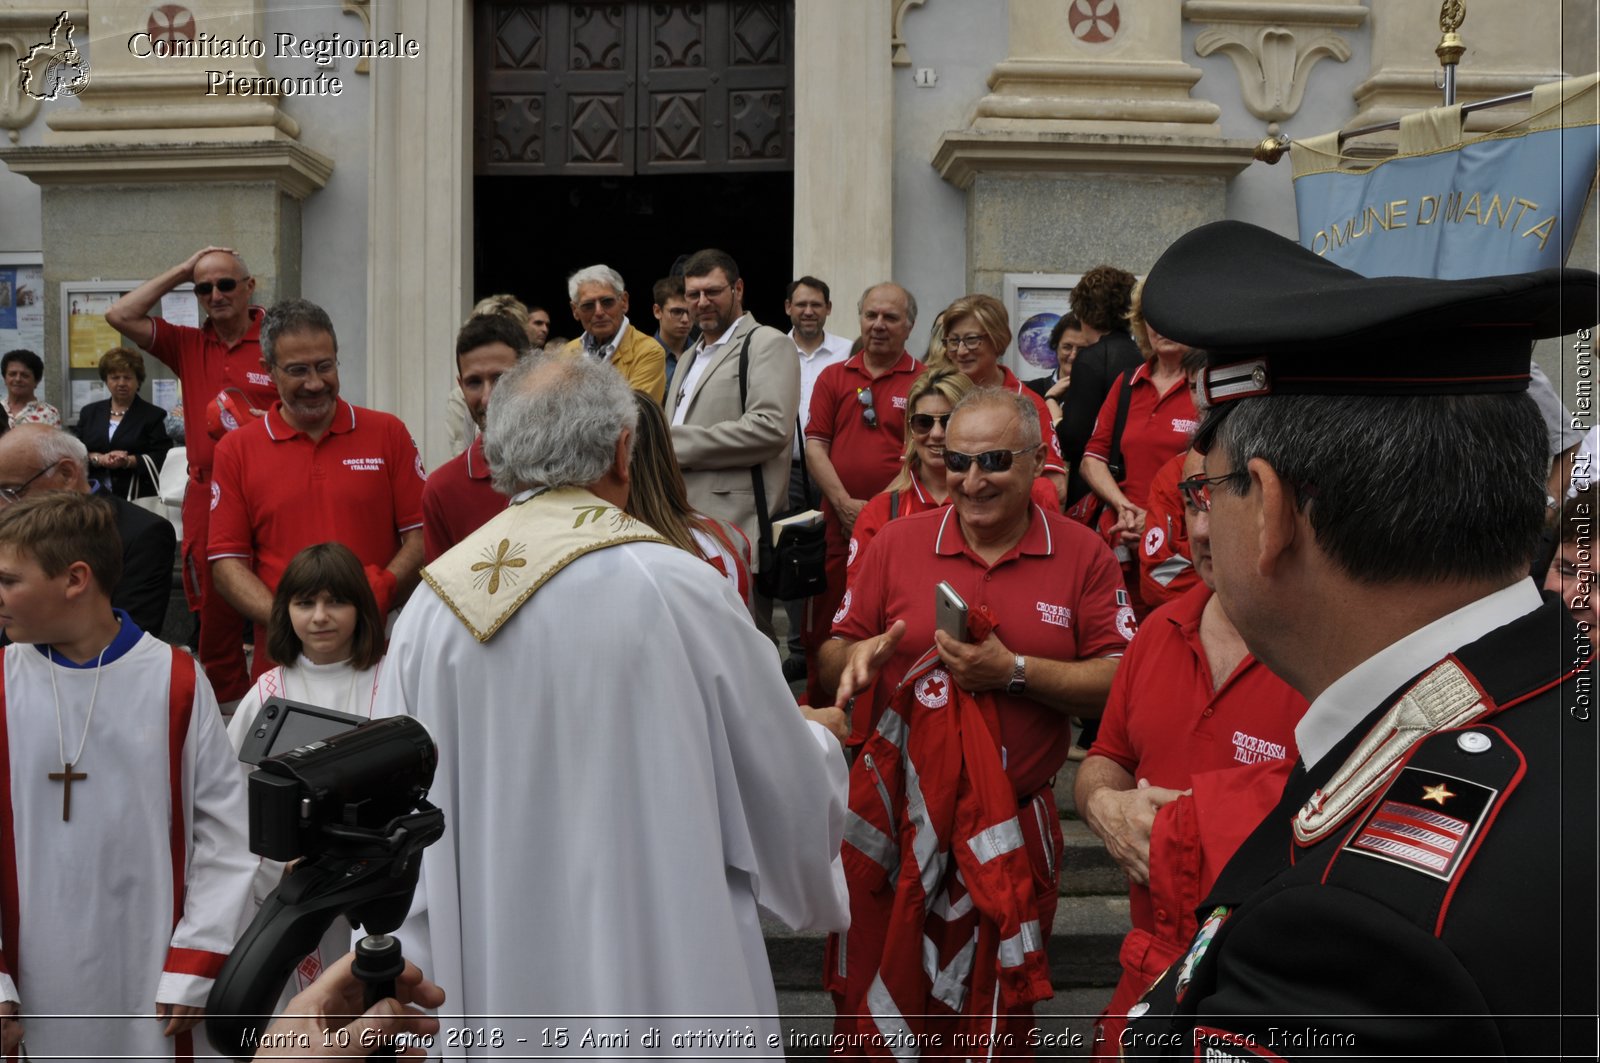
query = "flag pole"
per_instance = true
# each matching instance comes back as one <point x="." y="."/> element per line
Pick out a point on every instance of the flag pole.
<point x="1452" y="13"/>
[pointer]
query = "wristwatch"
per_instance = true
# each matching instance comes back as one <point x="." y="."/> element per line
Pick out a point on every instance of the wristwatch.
<point x="1019" y="677"/>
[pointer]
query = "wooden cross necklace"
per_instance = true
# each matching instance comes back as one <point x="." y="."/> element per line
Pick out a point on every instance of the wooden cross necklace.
<point x="66" y="775"/>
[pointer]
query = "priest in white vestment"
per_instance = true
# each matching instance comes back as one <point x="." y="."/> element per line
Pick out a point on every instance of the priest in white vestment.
<point x="626" y="777"/>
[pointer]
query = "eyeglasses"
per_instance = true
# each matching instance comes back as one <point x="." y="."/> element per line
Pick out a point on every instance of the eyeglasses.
<point x="868" y="414"/>
<point x="988" y="461"/>
<point x="922" y="423"/>
<point x="301" y="371"/>
<point x="1197" y="489"/>
<point x="606" y="303"/>
<point x="971" y="342"/>
<point x="14" y="494"/>
<point x="710" y="295"/>
<point x="225" y="285"/>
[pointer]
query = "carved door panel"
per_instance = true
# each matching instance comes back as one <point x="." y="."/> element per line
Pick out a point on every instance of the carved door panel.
<point x="634" y="88"/>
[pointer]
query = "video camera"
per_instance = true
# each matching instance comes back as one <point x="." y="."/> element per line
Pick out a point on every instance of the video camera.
<point x="351" y="808"/>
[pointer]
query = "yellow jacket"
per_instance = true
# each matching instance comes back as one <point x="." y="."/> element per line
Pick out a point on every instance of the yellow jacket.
<point x="639" y="359"/>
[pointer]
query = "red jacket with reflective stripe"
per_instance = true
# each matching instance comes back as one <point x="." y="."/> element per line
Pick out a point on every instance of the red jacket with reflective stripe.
<point x="929" y="791"/>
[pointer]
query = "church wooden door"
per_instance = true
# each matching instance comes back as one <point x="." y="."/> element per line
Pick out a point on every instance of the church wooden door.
<point x="633" y="88"/>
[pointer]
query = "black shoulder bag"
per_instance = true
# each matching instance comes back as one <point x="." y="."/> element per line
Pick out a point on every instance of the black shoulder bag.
<point x="795" y="566"/>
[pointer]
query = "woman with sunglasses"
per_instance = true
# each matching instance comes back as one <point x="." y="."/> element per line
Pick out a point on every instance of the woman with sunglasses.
<point x="977" y="330"/>
<point x="23" y="370"/>
<point x="921" y="483"/>
<point x="1160" y="420"/>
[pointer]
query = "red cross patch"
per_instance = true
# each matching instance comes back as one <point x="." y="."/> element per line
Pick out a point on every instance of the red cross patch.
<point x="933" y="689"/>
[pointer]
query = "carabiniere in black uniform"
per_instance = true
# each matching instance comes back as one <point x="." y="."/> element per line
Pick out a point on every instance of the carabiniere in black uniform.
<point x="1446" y="947"/>
<point x="1427" y="887"/>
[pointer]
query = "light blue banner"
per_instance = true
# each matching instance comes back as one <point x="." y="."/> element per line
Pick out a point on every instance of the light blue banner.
<point x="1503" y="205"/>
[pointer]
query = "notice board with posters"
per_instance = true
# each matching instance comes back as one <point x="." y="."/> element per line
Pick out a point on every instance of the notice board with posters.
<point x="22" y="302"/>
<point x="85" y="337"/>
<point x="1035" y="302"/>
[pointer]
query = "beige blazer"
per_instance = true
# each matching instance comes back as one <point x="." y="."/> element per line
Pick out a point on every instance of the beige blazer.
<point x="718" y="441"/>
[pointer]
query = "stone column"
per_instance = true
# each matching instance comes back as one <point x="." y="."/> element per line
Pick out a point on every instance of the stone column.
<point x="419" y="273"/>
<point x="148" y="167"/>
<point x="843" y="168"/>
<point x="1088" y="148"/>
<point x="1510" y="48"/>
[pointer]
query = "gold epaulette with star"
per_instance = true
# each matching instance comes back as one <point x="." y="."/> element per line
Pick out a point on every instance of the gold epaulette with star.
<point x="492" y="573"/>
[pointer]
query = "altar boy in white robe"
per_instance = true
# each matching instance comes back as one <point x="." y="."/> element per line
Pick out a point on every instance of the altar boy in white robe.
<point x="124" y="867"/>
<point x="624" y="772"/>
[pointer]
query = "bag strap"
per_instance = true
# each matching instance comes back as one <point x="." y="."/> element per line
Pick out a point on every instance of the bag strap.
<point x="1124" y="399"/>
<point x="147" y="465"/>
<point x="805" y="478"/>
<point x="1114" y="460"/>
<point x="757" y="480"/>
<point x="894" y="504"/>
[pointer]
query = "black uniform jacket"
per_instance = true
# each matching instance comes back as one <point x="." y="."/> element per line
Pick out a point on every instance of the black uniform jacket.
<point x="1093" y="373"/>
<point x="1452" y="923"/>
<point x="143" y="431"/>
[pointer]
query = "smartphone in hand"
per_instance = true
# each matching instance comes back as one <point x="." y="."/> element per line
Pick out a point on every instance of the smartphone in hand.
<point x="950" y="612"/>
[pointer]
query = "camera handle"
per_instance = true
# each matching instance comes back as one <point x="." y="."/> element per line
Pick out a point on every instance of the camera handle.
<point x="372" y="883"/>
<point x="378" y="964"/>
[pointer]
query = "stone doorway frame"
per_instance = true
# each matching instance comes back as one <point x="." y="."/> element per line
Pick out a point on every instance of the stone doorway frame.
<point x="420" y="209"/>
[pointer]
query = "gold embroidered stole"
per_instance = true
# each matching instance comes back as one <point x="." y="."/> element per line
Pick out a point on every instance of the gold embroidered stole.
<point x="490" y="574"/>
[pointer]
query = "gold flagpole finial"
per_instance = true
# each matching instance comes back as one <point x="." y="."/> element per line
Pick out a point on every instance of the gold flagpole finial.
<point x="1271" y="149"/>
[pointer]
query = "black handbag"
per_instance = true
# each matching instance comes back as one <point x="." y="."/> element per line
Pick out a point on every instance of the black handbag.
<point x="795" y="566"/>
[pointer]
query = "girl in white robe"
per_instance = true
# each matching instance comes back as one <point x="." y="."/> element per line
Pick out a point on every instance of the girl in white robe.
<point x="325" y="620"/>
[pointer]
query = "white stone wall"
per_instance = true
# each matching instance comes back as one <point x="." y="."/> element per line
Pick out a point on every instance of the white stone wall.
<point x="961" y="43"/>
<point x="333" y="219"/>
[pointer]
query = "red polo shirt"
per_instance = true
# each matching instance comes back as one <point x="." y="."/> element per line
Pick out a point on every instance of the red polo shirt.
<point x="275" y="492"/>
<point x="1053" y="461"/>
<point x="1056" y="594"/>
<point x="866" y="457"/>
<point x="1165" y="723"/>
<point x="1158" y="427"/>
<point x="205" y="366"/>
<point x="457" y="500"/>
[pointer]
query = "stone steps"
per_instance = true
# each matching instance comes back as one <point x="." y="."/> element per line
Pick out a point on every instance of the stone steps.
<point x="1065" y="1022"/>
<point x="1083" y="946"/>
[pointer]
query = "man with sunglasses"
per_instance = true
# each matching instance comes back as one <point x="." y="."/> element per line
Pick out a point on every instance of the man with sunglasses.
<point x="1375" y="472"/>
<point x="1049" y="619"/>
<point x="855" y="434"/>
<point x="600" y="305"/>
<point x="221" y="357"/>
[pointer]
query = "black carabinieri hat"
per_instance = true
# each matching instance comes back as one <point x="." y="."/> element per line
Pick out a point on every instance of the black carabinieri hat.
<point x="1276" y="319"/>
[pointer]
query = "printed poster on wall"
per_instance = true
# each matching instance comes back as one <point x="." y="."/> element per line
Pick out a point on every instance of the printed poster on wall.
<point x="88" y="335"/>
<point x="22" y="308"/>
